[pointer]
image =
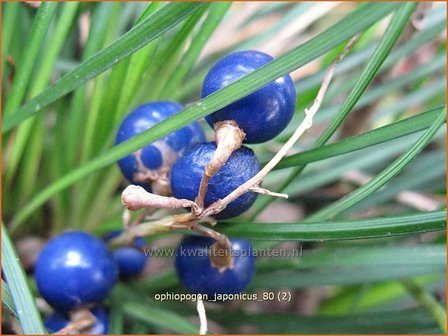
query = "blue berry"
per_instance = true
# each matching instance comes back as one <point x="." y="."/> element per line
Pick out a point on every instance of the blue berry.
<point x="264" y="113"/>
<point x="197" y="273"/>
<point x="58" y="320"/>
<point x="75" y="269"/>
<point x="131" y="260"/>
<point x="188" y="169"/>
<point x="156" y="158"/>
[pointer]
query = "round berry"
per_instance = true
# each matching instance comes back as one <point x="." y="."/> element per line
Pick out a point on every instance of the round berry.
<point x="264" y="113"/>
<point x="197" y="273"/>
<point x="131" y="260"/>
<point x="155" y="159"/>
<point x="187" y="171"/>
<point x="58" y="320"/>
<point x="75" y="269"/>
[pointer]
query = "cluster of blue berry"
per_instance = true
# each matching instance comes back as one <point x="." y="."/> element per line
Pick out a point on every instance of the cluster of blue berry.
<point x="77" y="270"/>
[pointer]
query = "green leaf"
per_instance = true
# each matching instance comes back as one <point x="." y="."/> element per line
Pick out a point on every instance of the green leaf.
<point x="7" y="298"/>
<point x="152" y="27"/>
<point x="403" y="321"/>
<point x="332" y="37"/>
<point x="347" y="266"/>
<point x="383" y="49"/>
<point x="382" y="178"/>
<point x="22" y="138"/>
<point x="374" y="296"/>
<point x="428" y="301"/>
<point x="339" y="230"/>
<point x="216" y="14"/>
<point x="24" y="70"/>
<point x="341" y="276"/>
<point x="371" y="138"/>
<point x="358" y="256"/>
<point x="23" y="300"/>
<point x="428" y="168"/>
<point x="156" y="316"/>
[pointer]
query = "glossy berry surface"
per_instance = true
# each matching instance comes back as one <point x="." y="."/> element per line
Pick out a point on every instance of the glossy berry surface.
<point x="75" y="269"/>
<point x="188" y="169"/>
<point x="196" y="272"/>
<point x="57" y="321"/>
<point x="264" y="113"/>
<point x="160" y="154"/>
<point x="131" y="260"/>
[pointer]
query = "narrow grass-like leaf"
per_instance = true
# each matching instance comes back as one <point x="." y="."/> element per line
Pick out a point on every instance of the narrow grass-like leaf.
<point x="357" y="57"/>
<point x="216" y="13"/>
<point x="7" y="299"/>
<point x="23" y="300"/>
<point x="38" y="30"/>
<point x="383" y="49"/>
<point x="429" y="167"/>
<point x="102" y="18"/>
<point x="149" y="29"/>
<point x="333" y="169"/>
<point x="339" y="230"/>
<point x="374" y="296"/>
<point x="9" y="18"/>
<point x="403" y="321"/>
<point x="342" y="276"/>
<point x="373" y="137"/>
<point x="434" y="255"/>
<point x="165" y="62"/>
<point x="159" y="317"/>
<point x="332" y="37"/>
<point x="428" y="301"/>
<point x="382" y="178"/>
<point x="40" y="81"/>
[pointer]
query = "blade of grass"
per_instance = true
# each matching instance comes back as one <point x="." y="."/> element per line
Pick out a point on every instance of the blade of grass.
<point x="341" y="31"/>
<point x="401" y="321"/>
<point x="9" y="19"/>
<point x="333" y="169"/>
<point x="40" y="81"/>
<point x="428" y="301"/>
<point x="23" y="300"/>
<point x="355" y="59"/>
<point x="101" y="18"/>
<point x="165" y="319"/>
<point x="434" y="255"/>
<point x="376" y="93"/>
<point x="216" y="14"/>
<point x="382" y="178"/>
<point x="7" y="299"/>
<point x="129" y="71"/>
<point x="24" y="69"/>
<point x="102" y="119"/>
<point x="381" y="52"/>
<point x="136" y="38"/>
<point x="371" y="138"/>
<point x="344" y="29"/>
<point x="341" y="276"/>
<point x="165" y="62"/>
<point x="376" y="296"/>
<point x="339" y="230"/>
<point x="429" y="167"/>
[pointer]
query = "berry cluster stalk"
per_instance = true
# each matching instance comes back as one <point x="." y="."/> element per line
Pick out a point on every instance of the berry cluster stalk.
<point x="229" y="138"/>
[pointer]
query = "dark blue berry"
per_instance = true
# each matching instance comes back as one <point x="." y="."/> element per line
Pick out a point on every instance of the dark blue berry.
<point x="264" y="113"/>
<point x="197" y="273"/>
<point x="57" y="321"/>
<point x="188" y="169"/>
<point x="131" y="260"/>
<point x="75" y="269"/>
<point x="161" y="153"/>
